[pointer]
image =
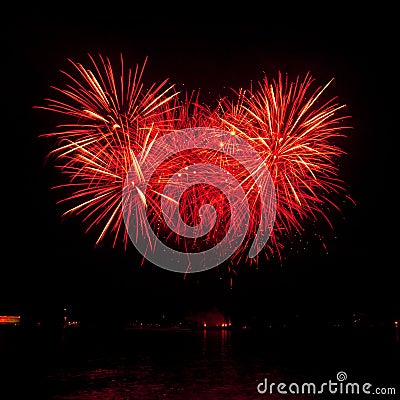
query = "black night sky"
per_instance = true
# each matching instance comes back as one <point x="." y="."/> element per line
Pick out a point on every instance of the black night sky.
<point x="48" y="263"/>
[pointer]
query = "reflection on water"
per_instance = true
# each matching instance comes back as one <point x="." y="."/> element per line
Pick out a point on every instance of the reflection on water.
<point x="167" y="365"/>
<point x="219" y="364"/>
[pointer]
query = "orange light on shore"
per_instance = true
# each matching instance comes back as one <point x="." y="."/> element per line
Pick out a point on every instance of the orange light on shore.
<point x="10" y="319"/>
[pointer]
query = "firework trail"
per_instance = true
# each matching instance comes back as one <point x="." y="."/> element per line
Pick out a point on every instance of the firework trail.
<point x="116" y="123"/>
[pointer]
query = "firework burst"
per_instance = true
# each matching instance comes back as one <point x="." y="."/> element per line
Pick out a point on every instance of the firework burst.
<point x="296" y="132"/>
<point x="114" y="117"/>
<point x="113" y="121"/>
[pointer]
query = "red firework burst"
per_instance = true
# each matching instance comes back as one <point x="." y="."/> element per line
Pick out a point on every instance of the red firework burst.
<point x="295" y="131"/>
<point x="114" y="121"/>
<point x="114" y="117"/>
